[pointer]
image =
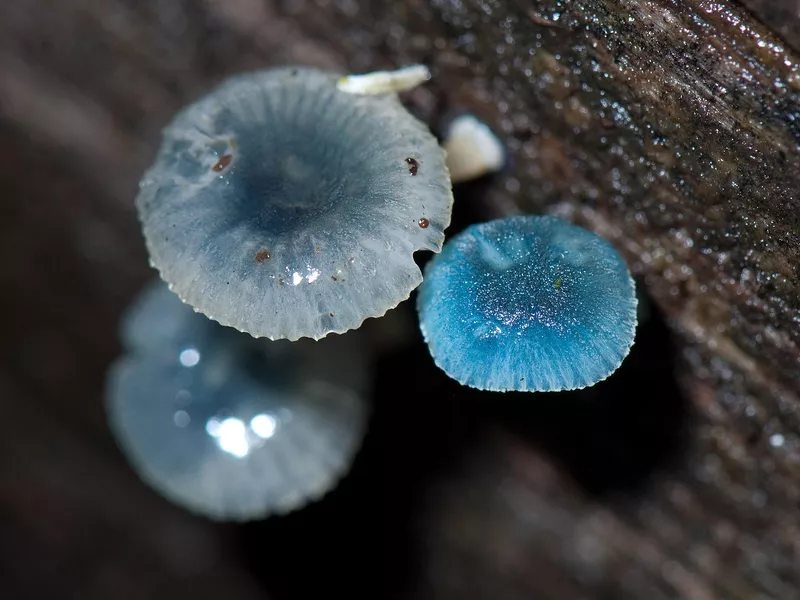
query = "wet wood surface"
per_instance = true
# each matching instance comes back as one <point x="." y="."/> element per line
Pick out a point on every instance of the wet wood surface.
<point x="782" y="16"/>
<point x="671" y="128"/>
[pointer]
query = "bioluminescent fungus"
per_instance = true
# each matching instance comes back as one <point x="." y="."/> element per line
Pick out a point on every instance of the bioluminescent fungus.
<point x="472" y="149"/>
<point x="286" y="208"/>
<point x="228" y="426"/>
<point x="528" y="303"/>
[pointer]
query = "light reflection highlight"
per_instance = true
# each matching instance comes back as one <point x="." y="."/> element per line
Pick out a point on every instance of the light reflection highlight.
<point x="237" y="437"/>
<point x="189" y="357"/>
<point x="230" y="435"/>
<point x="312" y="275"/>
<point x="264" y="425"/>
<point x="181" y="418"/>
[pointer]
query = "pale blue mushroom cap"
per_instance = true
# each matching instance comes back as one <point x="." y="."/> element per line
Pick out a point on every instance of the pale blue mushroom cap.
<point x="228" y="426"/>
<point x="286" y="208"/>
<point x="527" y="303"/>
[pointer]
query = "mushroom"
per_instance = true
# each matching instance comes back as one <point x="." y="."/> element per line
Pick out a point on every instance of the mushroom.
<point x="527" y="303"/>
<point x="287" y="208"/>
<point x="382" y="82"/>
<point x="228" y="426"/>
<point x="472" y="149"/>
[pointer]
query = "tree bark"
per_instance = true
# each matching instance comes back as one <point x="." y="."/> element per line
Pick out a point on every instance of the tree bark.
<point x="782" y="16"/>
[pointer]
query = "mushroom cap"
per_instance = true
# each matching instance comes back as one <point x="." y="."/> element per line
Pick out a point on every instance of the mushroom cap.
<point x="527" y="303"/>
<point x="232" y="427"/>
<point x="286" y="208"/>
<point x="158" y="321"/>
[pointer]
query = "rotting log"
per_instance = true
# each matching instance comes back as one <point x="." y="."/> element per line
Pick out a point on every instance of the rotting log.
<point x="670" y="127"/>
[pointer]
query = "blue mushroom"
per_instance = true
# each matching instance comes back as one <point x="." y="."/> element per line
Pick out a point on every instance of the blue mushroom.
<point x="527" y="303"/>
<point x="231" y="427"/>
<point x="287" y="208"/>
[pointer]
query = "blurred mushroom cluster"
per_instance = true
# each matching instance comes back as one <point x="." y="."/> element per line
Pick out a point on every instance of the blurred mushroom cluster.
<point x="282" y="211"/>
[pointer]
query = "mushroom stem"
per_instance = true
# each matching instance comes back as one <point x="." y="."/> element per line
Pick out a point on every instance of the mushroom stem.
<point x="385" y="82"/>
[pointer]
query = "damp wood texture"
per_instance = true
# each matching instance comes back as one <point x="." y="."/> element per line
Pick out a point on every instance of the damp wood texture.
<point x="671" y="128"/>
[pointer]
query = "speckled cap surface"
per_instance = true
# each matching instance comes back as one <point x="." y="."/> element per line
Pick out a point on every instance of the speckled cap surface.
<point x="231" y="427"/>
<point x="286" y="208"/>
<point x="528" y="303"/>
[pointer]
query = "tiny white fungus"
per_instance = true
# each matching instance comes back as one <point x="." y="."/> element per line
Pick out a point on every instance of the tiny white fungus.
<point x="473" y="150"/>
<point x="384" y="82"/>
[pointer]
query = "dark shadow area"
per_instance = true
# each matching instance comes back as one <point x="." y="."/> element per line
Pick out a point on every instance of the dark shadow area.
<point x="361" y="537"/>
<point x="612" y="436"/>
<point x="358" y="540"/>
<point x="330" y="546"/>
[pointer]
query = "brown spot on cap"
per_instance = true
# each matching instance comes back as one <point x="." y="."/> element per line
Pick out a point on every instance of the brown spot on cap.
<point x="413" y="165"/>
<point x="223" y="162"/>
<point x="423" y="222"/>
<point x="263" y="255"/>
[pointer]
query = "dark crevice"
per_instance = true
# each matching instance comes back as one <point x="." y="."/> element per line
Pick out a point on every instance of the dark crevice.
<point x="611" y="437"/>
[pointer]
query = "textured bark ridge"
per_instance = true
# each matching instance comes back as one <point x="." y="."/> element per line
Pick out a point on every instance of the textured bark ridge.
<point x="672" y="128"/>
<point x="782" y="16"/>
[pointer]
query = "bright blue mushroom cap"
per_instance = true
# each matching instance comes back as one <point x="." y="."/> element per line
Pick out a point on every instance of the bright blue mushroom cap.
<point x="228" y="426"/>
<point x="286" y="208"/>
<point x="528" y="303"/>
